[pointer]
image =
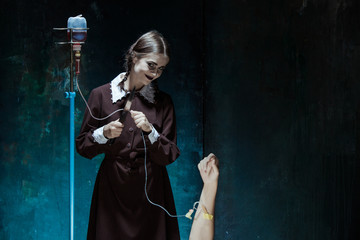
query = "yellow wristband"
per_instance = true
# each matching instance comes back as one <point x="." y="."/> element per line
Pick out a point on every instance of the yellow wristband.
<point x="208" y="216"/>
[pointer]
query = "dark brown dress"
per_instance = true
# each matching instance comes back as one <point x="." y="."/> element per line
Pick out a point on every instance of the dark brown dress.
<point x="119" y="208"/>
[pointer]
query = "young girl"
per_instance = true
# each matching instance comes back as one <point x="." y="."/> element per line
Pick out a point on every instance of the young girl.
<point x="119" y="207"/>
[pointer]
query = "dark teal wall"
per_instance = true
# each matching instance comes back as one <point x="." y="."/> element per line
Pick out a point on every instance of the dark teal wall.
<point x="282" y="112"/>
<point x="271" y="87"/>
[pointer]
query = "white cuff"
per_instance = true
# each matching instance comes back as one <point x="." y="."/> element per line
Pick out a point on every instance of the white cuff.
<point x="154" y="135"/>
<point x="99" y="137"/>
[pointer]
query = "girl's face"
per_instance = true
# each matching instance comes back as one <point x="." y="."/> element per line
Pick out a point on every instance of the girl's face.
<point x="149" y="67"/>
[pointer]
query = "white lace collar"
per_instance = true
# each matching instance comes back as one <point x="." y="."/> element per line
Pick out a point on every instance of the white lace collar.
<point x="116" y="92"/>
<point x="148" y="91"/>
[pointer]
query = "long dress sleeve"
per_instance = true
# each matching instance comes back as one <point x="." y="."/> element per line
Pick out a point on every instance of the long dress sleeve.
<point x="85" y="143"/>
<point x="165" y="151"/>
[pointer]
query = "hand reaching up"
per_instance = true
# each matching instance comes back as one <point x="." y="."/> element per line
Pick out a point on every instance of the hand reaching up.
<point x="208" y="168"/>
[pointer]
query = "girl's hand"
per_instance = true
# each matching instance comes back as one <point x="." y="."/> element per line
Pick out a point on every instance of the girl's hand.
<point x="141" y="121"/>
<point x="113" y="129"/>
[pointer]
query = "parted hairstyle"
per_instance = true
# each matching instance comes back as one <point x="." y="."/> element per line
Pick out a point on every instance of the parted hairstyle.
<point x="150" y="42"/>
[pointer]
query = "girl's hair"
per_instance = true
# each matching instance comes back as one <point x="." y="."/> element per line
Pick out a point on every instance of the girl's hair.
<point x="150" y="42"/>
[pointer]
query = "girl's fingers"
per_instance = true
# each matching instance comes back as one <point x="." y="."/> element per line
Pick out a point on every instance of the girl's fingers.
<point x="135" y="114"/>
<point x="135" y="117"/>
<point x="139" y="125"/>
<point x="117" y="124"/>
<point x="139" y="120"/>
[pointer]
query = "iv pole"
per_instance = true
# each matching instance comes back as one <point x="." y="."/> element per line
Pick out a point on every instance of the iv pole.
<point x="71" y="95"/>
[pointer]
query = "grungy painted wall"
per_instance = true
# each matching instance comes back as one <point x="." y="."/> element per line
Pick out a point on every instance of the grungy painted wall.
<point x="282" y="112"/>
<point x="34" y="181"/>
<point x="269" y="86"/>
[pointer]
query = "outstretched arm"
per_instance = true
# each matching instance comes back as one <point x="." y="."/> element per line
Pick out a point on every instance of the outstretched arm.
<point x="203" y="225"/>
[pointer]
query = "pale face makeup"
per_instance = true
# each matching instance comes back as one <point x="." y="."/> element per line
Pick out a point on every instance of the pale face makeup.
<point x="147" y="68"/>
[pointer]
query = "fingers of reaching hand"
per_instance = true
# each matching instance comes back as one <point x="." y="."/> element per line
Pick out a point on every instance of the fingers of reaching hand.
<point x="205" y="164"/>
<point x="209" y="165"/>
<point x="215" y="168"/>
<point x="212" y="156"/>
<point x="202" y="165"/>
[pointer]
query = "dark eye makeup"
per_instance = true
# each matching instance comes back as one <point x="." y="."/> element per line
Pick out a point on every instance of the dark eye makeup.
<point x="153" y="65"/>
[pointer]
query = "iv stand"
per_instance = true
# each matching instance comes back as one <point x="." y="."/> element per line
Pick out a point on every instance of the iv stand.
<point x="71" y="95"/>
